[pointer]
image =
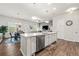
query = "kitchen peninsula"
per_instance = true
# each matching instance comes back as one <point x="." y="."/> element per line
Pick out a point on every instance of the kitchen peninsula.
<point x="34" y="42"/>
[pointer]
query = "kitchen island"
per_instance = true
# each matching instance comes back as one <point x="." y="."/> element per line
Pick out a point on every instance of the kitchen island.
<point x="34" y="42"/>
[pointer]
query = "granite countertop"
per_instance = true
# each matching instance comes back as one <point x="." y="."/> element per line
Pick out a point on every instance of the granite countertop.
<point x="37" y="34"/>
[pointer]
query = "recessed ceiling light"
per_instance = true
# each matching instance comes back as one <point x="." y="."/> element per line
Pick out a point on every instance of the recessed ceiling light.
<point x="54" y="8"/>
<point x="46" y="21"/>
<point x="71" y="9"/>
<point x="34" y="17"/>
<point x="49" y="3"/>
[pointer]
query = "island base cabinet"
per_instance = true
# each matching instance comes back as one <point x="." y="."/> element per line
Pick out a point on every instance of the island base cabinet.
<point x="46" y="40"/>
<point x="49" y="39"/>
<point x="33" y="45"/>
<point x="28" y="45"/>
<point x="54" y="37"/>
<point x="23" y="45"/>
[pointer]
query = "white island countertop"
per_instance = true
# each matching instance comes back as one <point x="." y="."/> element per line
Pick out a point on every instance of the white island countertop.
<point x="36" y="34"/>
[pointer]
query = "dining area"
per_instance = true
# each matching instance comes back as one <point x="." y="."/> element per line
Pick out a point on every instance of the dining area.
<point x="11" y="36"/>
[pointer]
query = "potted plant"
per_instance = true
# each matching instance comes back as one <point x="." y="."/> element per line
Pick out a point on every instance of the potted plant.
<point x="3" y="30"/>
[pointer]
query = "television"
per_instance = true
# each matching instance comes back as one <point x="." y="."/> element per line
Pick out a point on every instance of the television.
<point x="45" y="27"/>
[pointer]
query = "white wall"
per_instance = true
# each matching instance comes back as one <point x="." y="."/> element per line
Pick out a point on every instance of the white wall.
<point x="25" y="24"/>
<point x="70" y="33"/>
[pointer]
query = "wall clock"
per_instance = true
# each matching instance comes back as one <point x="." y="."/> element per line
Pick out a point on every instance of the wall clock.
<point x="69" y="22"/>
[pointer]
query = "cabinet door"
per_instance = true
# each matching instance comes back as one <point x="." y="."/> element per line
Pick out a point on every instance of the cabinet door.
<point x="46" y="40"/>
<point x="33" y="44"/>
<point x="54" y="37"/>
<point x="50" y="39"/>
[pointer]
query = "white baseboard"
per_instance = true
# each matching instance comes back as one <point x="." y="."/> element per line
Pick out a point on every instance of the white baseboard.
<point x="70" y="40"/>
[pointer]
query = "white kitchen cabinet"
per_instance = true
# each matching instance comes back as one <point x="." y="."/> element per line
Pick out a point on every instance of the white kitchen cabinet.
<point x="54" y="37"/>
<point x="33" y="44"/>
<point x="46" y="40"/>
<point x="50" y="38"/>
<point x="29" y="42"/>
<point x="23" y="45"/>
<point x="28" y="45"/>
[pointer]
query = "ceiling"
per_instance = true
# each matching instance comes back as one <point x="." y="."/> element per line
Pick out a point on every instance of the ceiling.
<point x="41" y="10"/>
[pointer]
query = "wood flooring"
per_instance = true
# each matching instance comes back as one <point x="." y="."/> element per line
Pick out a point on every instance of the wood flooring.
<point x="60" y="48"/>
<point x="10" y="49"/>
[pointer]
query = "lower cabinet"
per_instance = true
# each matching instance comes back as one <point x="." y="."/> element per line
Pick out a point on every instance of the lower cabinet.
<point x="54" y="37"/>
<point x="33" y="44"/>
<point x="28" y="45"/>
<point x="23" y="45"/>
<point x="50" y="38"/>
<point x="46" y="40"/>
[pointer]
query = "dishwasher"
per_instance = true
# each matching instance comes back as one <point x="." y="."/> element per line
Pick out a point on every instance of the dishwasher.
<point x="40" y="42"/>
